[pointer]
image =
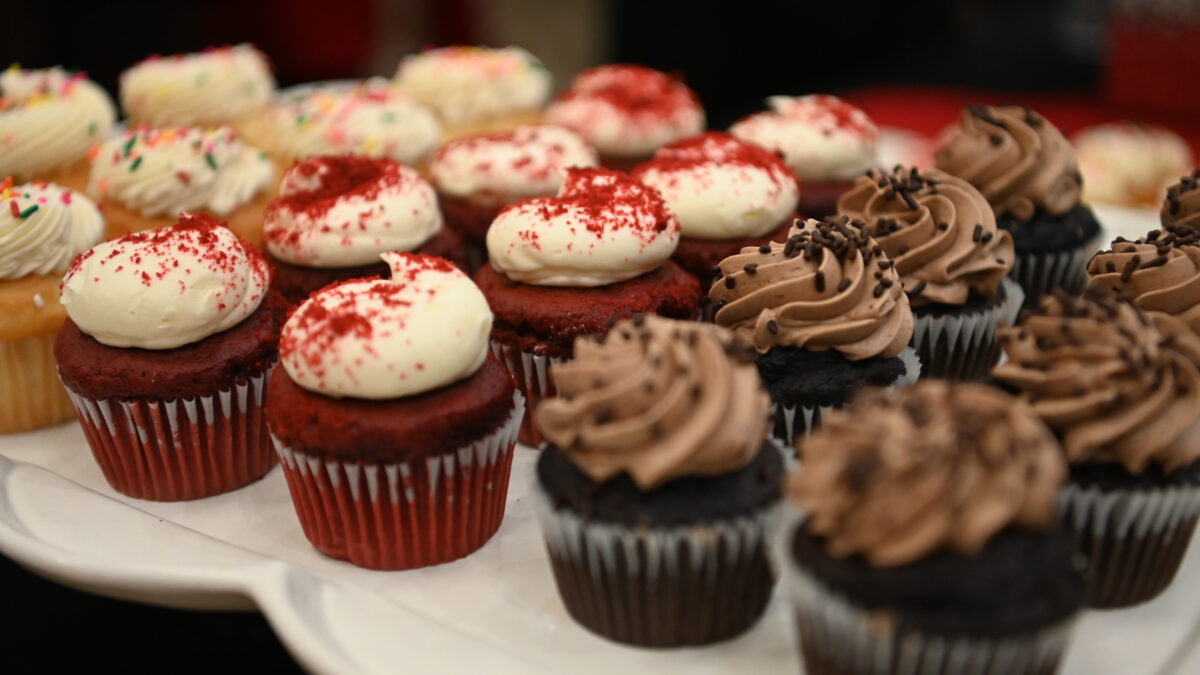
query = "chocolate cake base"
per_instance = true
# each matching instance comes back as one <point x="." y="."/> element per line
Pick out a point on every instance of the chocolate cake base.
<point x="1052" y="252"/>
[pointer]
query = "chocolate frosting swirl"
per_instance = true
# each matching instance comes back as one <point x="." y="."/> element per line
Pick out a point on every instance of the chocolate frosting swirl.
<point x="1018" y="160"/>
<point x="657" y="399"/>
<point x="1181" y="208"/>
<point x="829" y="286"/>
<point x="1160" y="272"/>
<point x="901" y="474"/>
<point x="1116" y="385"/>
<point x="939" y="230"/>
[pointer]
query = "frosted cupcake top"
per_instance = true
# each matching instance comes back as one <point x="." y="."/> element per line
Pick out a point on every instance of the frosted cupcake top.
<point x="48" y="120"/>
<point x="207" y="88"/>
<point x="165" y="288"/>
<point x="1159" y="272"/>
<point x="43" y="227"/>
<point x="345" y="211"/>
<point x="162" y="172"/>
<point x="821" y="137"/>
<point x="469" y="84"/>
<point x="529" y="161"/>
<point x="1130" y="164"/>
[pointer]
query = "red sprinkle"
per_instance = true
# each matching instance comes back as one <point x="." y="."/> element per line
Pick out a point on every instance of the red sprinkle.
<point x="639" y="91"/>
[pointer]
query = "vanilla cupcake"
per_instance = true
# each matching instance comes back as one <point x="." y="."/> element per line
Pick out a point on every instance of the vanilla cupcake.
<point x="1130" y="164"/>
<point x="42" y="228"/>
<point x="145" y="178"/>
<point x="49" y="119"/>
<point x="228" y="85"/>
<point x="477" y="90"/>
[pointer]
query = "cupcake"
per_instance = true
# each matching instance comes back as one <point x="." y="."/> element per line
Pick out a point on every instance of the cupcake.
<point x="627" y="112"/>
<point x="1159" y="272"/>
<point x="477" y="90"/>
<point x="1130" y="164"/>
<point x="42" y="228"/>
<point x="656" y="490"/>
<point x="927" y="541"/>
<point x="49" y="119"/>
<point x="1027" y="170"/>
<point x="169" y="339"/>
<point x="727" y="195"/>
<point x="226" y="85"/>
<point x="826" y="142"/>
<point x="336" y="215"/>
<point x="477" y="176"/>
<point x="826" y="314"/>
<point x="952" y="260"/>
<point x="144" y="178"/>
<point x="394" y="427"/>
<point x="1121" y="390"/>
<point x="574" y="264"/>
<point x="371" y="118"/>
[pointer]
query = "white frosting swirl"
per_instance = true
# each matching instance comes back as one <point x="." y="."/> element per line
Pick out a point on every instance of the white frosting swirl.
<point x="526" y="162"/>
<point x="43" y="227"/>
<point x="628" y="111"/>
<point x="345" y="211"/>
<point x="722" y="188"/>
<point x="821" y="137"/>
<point x="49" y="119"/>
<point x="208" y="88"/>
<point x="603" y="227"/>
<point x="372" y="118"/>
<point x="470" y="84"/>
<point x="166" y="288"/>
<point x="425" y="327"/>
<point x="163" y="172"/>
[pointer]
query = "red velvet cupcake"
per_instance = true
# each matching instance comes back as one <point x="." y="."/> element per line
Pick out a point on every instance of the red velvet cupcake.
<point x="574" y="264"/>
<point x="826" y="142"/>
<point x="394" y="426"/>
<point x="627" y="112"/>
<point x="727" y="194"/>
<point x="165" y="354"/>
<point x="335" y="215"/>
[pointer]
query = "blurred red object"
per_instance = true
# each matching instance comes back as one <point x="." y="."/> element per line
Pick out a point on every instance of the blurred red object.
<point x="1153" y="60"/>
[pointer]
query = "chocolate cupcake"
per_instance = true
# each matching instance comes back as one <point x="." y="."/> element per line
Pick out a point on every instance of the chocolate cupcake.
<point x="1028" y="172"/>
<point x="656" y="490"/>
<point x="826" y="313"/>
<point x="1120" y="389"/>
<point x="927" y="541"/>
<point x="952" y="260"/>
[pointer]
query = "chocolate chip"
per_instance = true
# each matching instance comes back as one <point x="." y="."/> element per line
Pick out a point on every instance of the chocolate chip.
<point x="751" y="268"/>
<point x="730" y="282"/>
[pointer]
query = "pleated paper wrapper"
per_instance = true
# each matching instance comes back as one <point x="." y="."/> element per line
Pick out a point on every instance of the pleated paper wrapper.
<point x="31" y="397"/>
<point x="1040" y="273"/>
<point x="965" y="347"/>
<point x="532" y="373"/>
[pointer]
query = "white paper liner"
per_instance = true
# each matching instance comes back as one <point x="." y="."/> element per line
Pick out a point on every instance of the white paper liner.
<point x="845" y="638"/>
<point x="965" y="333"/>
<point x="799" y="420"/>
<point x="1039" y="273"/>
<point x="532" y="372"/>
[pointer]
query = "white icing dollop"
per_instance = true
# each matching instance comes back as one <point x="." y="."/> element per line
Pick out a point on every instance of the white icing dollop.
<point x="603" y="227"/>
<point x="821" y="137"/>
<point x="43" y="227"/>
<point x="345" y="211"/>
<point x="425" y="327"/>
<point x="49" y="119"/>
<point x="207" y="88"/>
<point x="722" y="188"/>
<point x="529" y="161"/>
<point x="165" y="288"/>
<point x="470" y="84"/>
<point x="1130" y="164"/>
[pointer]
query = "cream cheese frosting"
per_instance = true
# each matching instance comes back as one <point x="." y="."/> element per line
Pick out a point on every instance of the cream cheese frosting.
<point x="207" y="88"/>
<point x="529" y="161"/>
<point x="821" y="137"/>
<point x="657" y="399"/>
<point x="469" y="84"/>
<point x="43" y="227"/>
<point x="603" y="227"/>
<point x="722" y="188"/>
<point x="345" y="211"/>
<point x="49" y="119"/>
<point x="628" y="111"/>
<point x="166" y="288"/>
<point x="425" y="327"/>
<point x="163" y="172"/>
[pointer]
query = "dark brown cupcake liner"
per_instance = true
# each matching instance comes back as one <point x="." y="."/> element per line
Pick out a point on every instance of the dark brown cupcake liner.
<point x="965" y="348"/>
<point x="1039" y="273"/>
<point x="660" y="586"/>
<point x="1134" y="540"/>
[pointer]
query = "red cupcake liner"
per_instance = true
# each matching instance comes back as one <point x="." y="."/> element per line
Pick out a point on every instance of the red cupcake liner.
<point x="183" y="448"/>
<point x="532" y="373"/>
<point x="404" y="515"/>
